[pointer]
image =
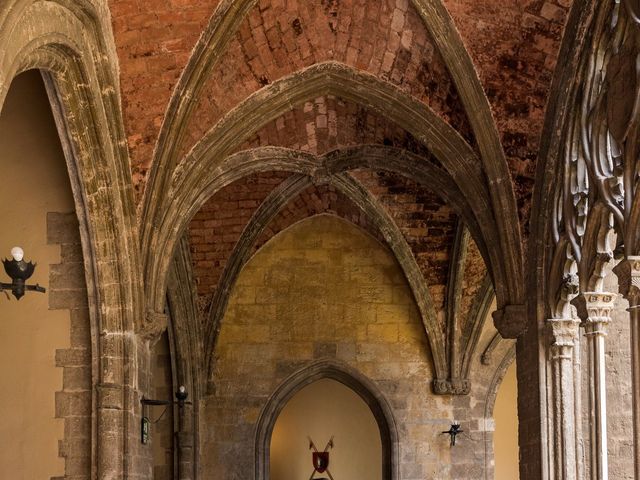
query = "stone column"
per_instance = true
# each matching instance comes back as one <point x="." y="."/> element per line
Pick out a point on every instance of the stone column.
<point x="577" y="387"/>
<point x="628" y="272"/>
<point x="598" y="307"/>
<point x="111" y="434"/>
<point x="185" y="443"/>
<point x="564" y="333"/>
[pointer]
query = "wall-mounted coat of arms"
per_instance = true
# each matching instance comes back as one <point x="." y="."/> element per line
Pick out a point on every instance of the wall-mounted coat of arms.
<point x="320" y="460"/>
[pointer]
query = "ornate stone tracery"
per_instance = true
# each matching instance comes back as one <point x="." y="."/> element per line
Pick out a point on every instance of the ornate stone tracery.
<point x="593" y="211"/>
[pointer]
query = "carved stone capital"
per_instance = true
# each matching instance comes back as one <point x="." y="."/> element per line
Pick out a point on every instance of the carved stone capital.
<point x="594" y="308"/>
<point x="564" y="331"/>
<point x="154" y="324"/>
<point x="511" y="321"/>
<point x="567" y="291"/>
<point x="628" y="273"/>
<point x="455" y="386"/>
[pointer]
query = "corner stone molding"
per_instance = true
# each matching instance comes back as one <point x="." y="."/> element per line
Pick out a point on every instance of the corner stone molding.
<point x="154" y="324"/>
<point x="457" y="386"/>
<point x="511" y="320"/>
<point x="628" y="273"/>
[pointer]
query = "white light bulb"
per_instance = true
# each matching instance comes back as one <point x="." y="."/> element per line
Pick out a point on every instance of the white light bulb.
<point x="17" y="253"/>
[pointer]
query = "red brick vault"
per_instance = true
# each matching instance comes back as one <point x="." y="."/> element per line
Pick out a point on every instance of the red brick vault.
<point x="196" y="131"/>
<point x="205" y="80"/>
<point x="418" y="121"/>
<point x="513" y="45"/>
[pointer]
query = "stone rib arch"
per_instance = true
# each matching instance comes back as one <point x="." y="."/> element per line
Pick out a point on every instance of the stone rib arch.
<point x="402" y="252"/>
<point x="69" y="45"/>
<point x="365" y="201"/>
<point x="186" y="341"/>
<point x="191" y="177"/>
<point x="213" y="44"/>
<point x="349" y="377"/>
<point x="241" y="254"/>
<point x="463" y="334"/>
<point x="187" y="331"/>
<point x="333" y="78"/>
<point x="281" y="159"/>
<point x="477" y="107"/>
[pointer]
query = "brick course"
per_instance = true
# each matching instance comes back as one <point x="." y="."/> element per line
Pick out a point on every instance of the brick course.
<point x="386" y="39"/>
<point x="154" y="40"/>
<point x="514" y="45"/>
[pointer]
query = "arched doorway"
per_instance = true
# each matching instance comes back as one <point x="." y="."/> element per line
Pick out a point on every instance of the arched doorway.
<point x="308" y="381"/>
<point x="335" y="419"/>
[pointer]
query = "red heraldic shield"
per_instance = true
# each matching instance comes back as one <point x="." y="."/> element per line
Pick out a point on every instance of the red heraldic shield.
<point x="320" y="461"/>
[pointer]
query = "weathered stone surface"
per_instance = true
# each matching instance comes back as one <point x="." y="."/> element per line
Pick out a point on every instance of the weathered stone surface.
<point x="68" y="291"/>
<point x="319" y="263"/>
<point x="390" y="40"/>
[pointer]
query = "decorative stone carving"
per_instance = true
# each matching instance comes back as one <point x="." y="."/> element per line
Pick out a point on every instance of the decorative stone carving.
<point x="594" y="308"/>
<point x="511" y="321"/>
<point x="154" y="324"/>
<point x="628" y="273"/>
<point x="564" y="332"/>
<point x="487" y="355"/>
<point x="456" y="386"/>
<point x="564" y="335"/>
<point x="598" y="306"/>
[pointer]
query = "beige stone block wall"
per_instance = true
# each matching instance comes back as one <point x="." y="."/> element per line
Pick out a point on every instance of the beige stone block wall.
<point x="42" y="332"/>
<point x="324" y="289"/>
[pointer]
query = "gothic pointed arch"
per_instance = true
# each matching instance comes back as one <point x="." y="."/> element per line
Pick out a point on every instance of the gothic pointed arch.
<point x="192" y="177"/>
<point x="69" y="42"/>
<point x="349" y="377"/>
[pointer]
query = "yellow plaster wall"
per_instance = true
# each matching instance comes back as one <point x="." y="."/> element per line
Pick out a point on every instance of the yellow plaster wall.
<point x="34" y="181"/>
<point x="505" y="437"/>
<point x="322" y="410"/>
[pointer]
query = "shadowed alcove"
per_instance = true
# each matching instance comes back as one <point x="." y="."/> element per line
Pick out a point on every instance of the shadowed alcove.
<point x="326" y="401"/>
<point x="336" y="420"/>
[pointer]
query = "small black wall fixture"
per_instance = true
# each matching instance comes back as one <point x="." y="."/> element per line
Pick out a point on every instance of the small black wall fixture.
<point x="452" y="432"/>
<point x="19" y="271"/>
<point x="145" y="423"/>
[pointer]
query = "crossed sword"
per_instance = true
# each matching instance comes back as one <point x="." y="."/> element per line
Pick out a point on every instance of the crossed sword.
<point x="327" y="447"/>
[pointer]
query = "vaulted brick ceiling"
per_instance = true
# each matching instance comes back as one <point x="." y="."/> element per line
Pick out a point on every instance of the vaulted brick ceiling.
<point x="513" y="45"/>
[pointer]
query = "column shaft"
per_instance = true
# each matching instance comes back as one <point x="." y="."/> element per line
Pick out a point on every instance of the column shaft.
<point x="635" y="378"/>
<point x="564" y="333"/>
<point x="598" y="306"/>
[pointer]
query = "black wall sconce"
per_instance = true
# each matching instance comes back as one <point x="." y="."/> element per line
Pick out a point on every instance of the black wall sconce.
<point x="19" y="271"/>
<point x="453" y="431"/>
<point x="145" y="423"/>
